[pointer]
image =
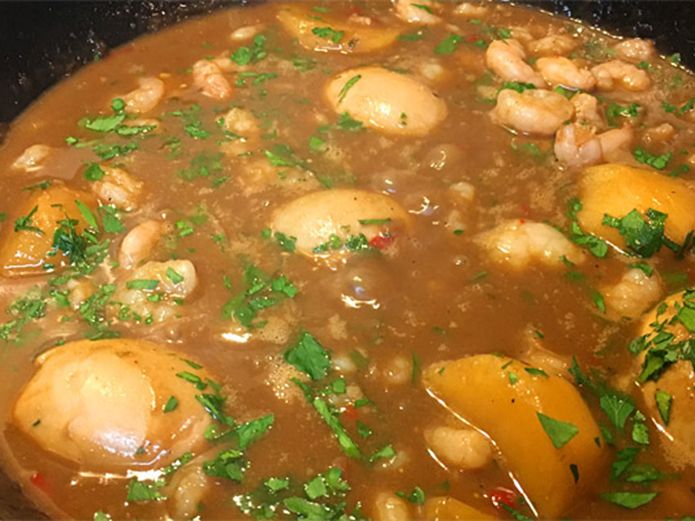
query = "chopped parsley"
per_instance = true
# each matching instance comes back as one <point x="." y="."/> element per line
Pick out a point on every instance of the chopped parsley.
<point x="647" y="158"/>
<point x="664" y="400"/>
<point x="253" y="54"/>
<point x="309" y="356"/>
<point x="449" y="44"/>
<point x="517" y="86"/>
<point x="559" y="432"/>
<point x="614" y="111"/>
<point x="24" y="224"/>
<point x="630" y="500"/>
<point x="328" y="33"/>
<point x="348" y="85"/>
<point x="171" y="404"/>
<point x="644" y="236"/>
<point x="262" y="292"/>
<point x="598" y="247"/>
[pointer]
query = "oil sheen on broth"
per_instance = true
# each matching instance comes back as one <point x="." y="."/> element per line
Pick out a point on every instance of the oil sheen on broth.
<point x="363" y="260"/>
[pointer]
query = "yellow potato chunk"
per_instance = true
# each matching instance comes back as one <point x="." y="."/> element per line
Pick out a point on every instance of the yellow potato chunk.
<point x="616" y="190"/>
<point x="319" y="218"/>
<point x="335" y="34"/>
<point x="387" y="101"/>
<point x="25" y="252"/>
<point x="497" y="395"/>
<point x="450" y="509"/>
<point x="104" y="403"/>
<point x="677" y="437"/>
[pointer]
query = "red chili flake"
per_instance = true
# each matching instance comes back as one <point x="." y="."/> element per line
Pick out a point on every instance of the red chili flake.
<point x="381" y="242"/>
<point x="350" y="413"/>
<point x="472" y="38"/>
<point x="39" y="481"/>
<point x="503" y="496"/>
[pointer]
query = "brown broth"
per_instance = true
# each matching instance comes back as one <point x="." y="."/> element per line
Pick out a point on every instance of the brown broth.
<point x="439" y="297"/>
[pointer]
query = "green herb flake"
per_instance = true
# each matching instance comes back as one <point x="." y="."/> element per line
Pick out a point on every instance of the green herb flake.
<point x="657" y="162"/>
<point x="664" y="402"/>
<point x="617" y="408"/>
<point x="559" y="432"/>
<point x="24" y="224"/>
<point x="448" y="45"/>
<point x="171" y="404"/>
<point x="630" y="500"/>
<point x="348" y="85"/>
<point x="309" y="356"/>
<point x="275" y="485"/>
<point x="416" y="496"/>
<point x="328" y="33"/>
<point x="144" y="491"/>
<point x="142" y="284"/>
<point x="387" y="452"/>
<point x="534" y="371"/>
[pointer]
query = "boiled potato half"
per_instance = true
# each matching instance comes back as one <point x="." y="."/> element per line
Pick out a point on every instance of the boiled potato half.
<point x="328" y="222"/>
<point x="674" y="386"/>
<point x="334" y="34"/>
<point x="388" y="101"/>
<point x="104" y="404"/>
<point x="25" y="251"/>
<point x="616" y="190"/>
<point x="499" y="396"/>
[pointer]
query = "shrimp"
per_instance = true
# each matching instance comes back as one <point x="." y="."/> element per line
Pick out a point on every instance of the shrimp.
<point x="32" y="158"/>
<point x="470" y="10"/>
<point x="209" y="79"/>
<point x="517" y="243"/>
<point x="246" y="33"/>
<point x="635" y="50"/>
<point x="533" y="111"/>
<point x="416" y="12"/>
<point x="615" y="140"/>
<point x="506" y="59"/>
<point x="633" y="294"/>
<point x="617" y="74"/>
<point x="562" y="71"/>
<point x="578" y="145"/>
<point x="139" y="242"/>
<point x="146" y="97"/>
<point x="463" y="448"/>
<point x="586" y="109"/>
<point x="553" y="45"/>
<point x="119" y="188"/>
